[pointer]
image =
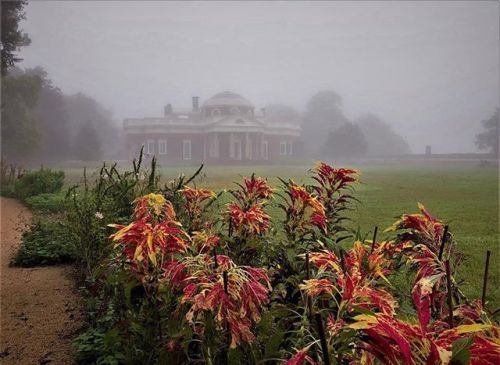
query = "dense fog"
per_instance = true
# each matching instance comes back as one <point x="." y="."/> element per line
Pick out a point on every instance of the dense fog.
<point x="402" y="74"/>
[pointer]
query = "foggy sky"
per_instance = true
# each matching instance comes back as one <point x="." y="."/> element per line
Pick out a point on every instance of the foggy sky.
<point x="431" y="69"/>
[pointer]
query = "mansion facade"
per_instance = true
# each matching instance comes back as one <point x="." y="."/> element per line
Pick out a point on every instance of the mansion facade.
<point x="224" y="129"/>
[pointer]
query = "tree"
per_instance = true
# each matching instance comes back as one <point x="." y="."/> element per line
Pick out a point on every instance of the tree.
<point x="12" y="37"/>
<point x="381" y="139"/>
<point x="52" y="120"/>
<point x="87" y="145"/>
<point x="345" y="142"/>
<point x="281" y="113"/>
<point x="488" y="140"/>
<point x="20" y="135"/>
<point x="81" y="108"/>
<point x="323" y="115"/>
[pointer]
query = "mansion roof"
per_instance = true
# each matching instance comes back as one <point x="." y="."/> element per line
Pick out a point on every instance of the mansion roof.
<point x="224" y="112"/>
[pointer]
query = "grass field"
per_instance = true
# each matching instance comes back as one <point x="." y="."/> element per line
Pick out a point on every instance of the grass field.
<point x="464" y="195"/>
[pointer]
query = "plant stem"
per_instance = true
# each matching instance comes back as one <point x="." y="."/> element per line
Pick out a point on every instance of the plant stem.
<point x="308" y="298"/>
<point x="216" y="264"/>
<point x="485" y="278"/>
<point x="374" y="238"/>
<point x="224" y="278"/>
<point x="443" y="242"/>
<point x="322" y="338"/>
<point x="342" y="260"/>
<point x="226" y="346"/>
<point x="450" y="299"/>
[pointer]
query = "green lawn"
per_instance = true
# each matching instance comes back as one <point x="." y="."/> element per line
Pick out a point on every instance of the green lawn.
<point x="464" y="195"/>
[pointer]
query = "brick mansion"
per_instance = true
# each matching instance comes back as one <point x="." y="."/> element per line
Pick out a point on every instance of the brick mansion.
<point x="224" y="129"/>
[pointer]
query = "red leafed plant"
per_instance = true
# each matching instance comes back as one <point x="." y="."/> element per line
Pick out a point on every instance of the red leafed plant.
<point x="206" y="290"/>
<point x="390" y="339"/>
<point x="235" y="295"/>
<point x="152" y="238"/>
<point x="246" y="214"/>
<point x="303" y="212"/>
<point x="249" y="221"/>
<point x="426" y="234"/>
<point x="301" y="358"/>
<point x="394" y="341"/>
<point x="193" y="206"/>
<point x="334" y="188"/>
<point x="253" y="190"/>
<point x="351" y="282"/>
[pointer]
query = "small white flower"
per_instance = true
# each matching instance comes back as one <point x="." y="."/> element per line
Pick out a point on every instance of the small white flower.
<point x="142" y="177"/>
<point x="99" y="215"/>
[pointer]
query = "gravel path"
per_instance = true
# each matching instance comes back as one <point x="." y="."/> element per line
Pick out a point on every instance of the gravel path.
<point x="39" y="307"/>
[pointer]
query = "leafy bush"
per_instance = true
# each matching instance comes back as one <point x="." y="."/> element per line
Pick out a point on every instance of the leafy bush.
<point x="7" y="190"/>
<point x="38" y="182"/>
<point x="45" y="243"/>
<point x="174" y="276"/>
<point x="47" y="202"/>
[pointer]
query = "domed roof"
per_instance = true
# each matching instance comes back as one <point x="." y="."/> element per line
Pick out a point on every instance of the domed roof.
<point x="227" y="98"/>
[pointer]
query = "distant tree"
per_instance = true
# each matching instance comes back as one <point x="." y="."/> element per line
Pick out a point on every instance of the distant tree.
<point x="81" y="108"/>
<point x="12" y="37"/>
<point x="20" y="133"/>
<point x="345" y="142"/>
<point x="488" y="140"/>
<point x="380" y="137"/>
<point x="323" y="115"/>
<point x="52" y="120"/>
<point x="87" y="144"/>
<point x="281" y="113"/>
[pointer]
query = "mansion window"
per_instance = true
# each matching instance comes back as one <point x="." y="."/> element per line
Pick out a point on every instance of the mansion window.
<point x="235" y="110"/>
<point x="283" y="148"/>
<point x="186" y="149"/>
<point x="150" y="147"/>
<point x="162" y="147"/>
<point x="286" y="148"/>
<point x="265" y="149"/>
<point x="215" y="113"/>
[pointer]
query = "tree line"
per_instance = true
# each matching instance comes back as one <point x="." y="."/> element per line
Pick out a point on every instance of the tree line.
<point x="39" y="121"/>
<point x="328" y="133"/>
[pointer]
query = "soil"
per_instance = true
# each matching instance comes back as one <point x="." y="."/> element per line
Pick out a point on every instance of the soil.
<point x="40" y="312"/>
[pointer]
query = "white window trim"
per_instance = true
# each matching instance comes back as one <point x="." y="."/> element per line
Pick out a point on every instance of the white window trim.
<point x="186" y="156"/>
<point x="265" y="150"/>
<point x="290" y="148"/>
<point x="162" y="146"/>
<point x="282" y="148"/>
<point x="151" y="146"/>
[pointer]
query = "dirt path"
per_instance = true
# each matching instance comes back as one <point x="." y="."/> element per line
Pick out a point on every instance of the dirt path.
<point x="39" y="308"/>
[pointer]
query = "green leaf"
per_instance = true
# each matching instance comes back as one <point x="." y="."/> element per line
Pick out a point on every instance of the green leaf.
<point x="273" y="344"/>
<point x="460" y="350"/>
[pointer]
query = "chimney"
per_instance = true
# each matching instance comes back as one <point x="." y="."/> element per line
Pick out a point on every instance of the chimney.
<point x="263" y="111"/>
<point x="168" y="109"/>
<point x="196" y="101"/>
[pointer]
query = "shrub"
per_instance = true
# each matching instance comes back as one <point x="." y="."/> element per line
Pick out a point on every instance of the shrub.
<point x="38" y="182"/>
<point x="186" y="278"/>
<point x="7" y="191"/>
<point x="47" y="202"/>
<point x="45" y="243"/>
